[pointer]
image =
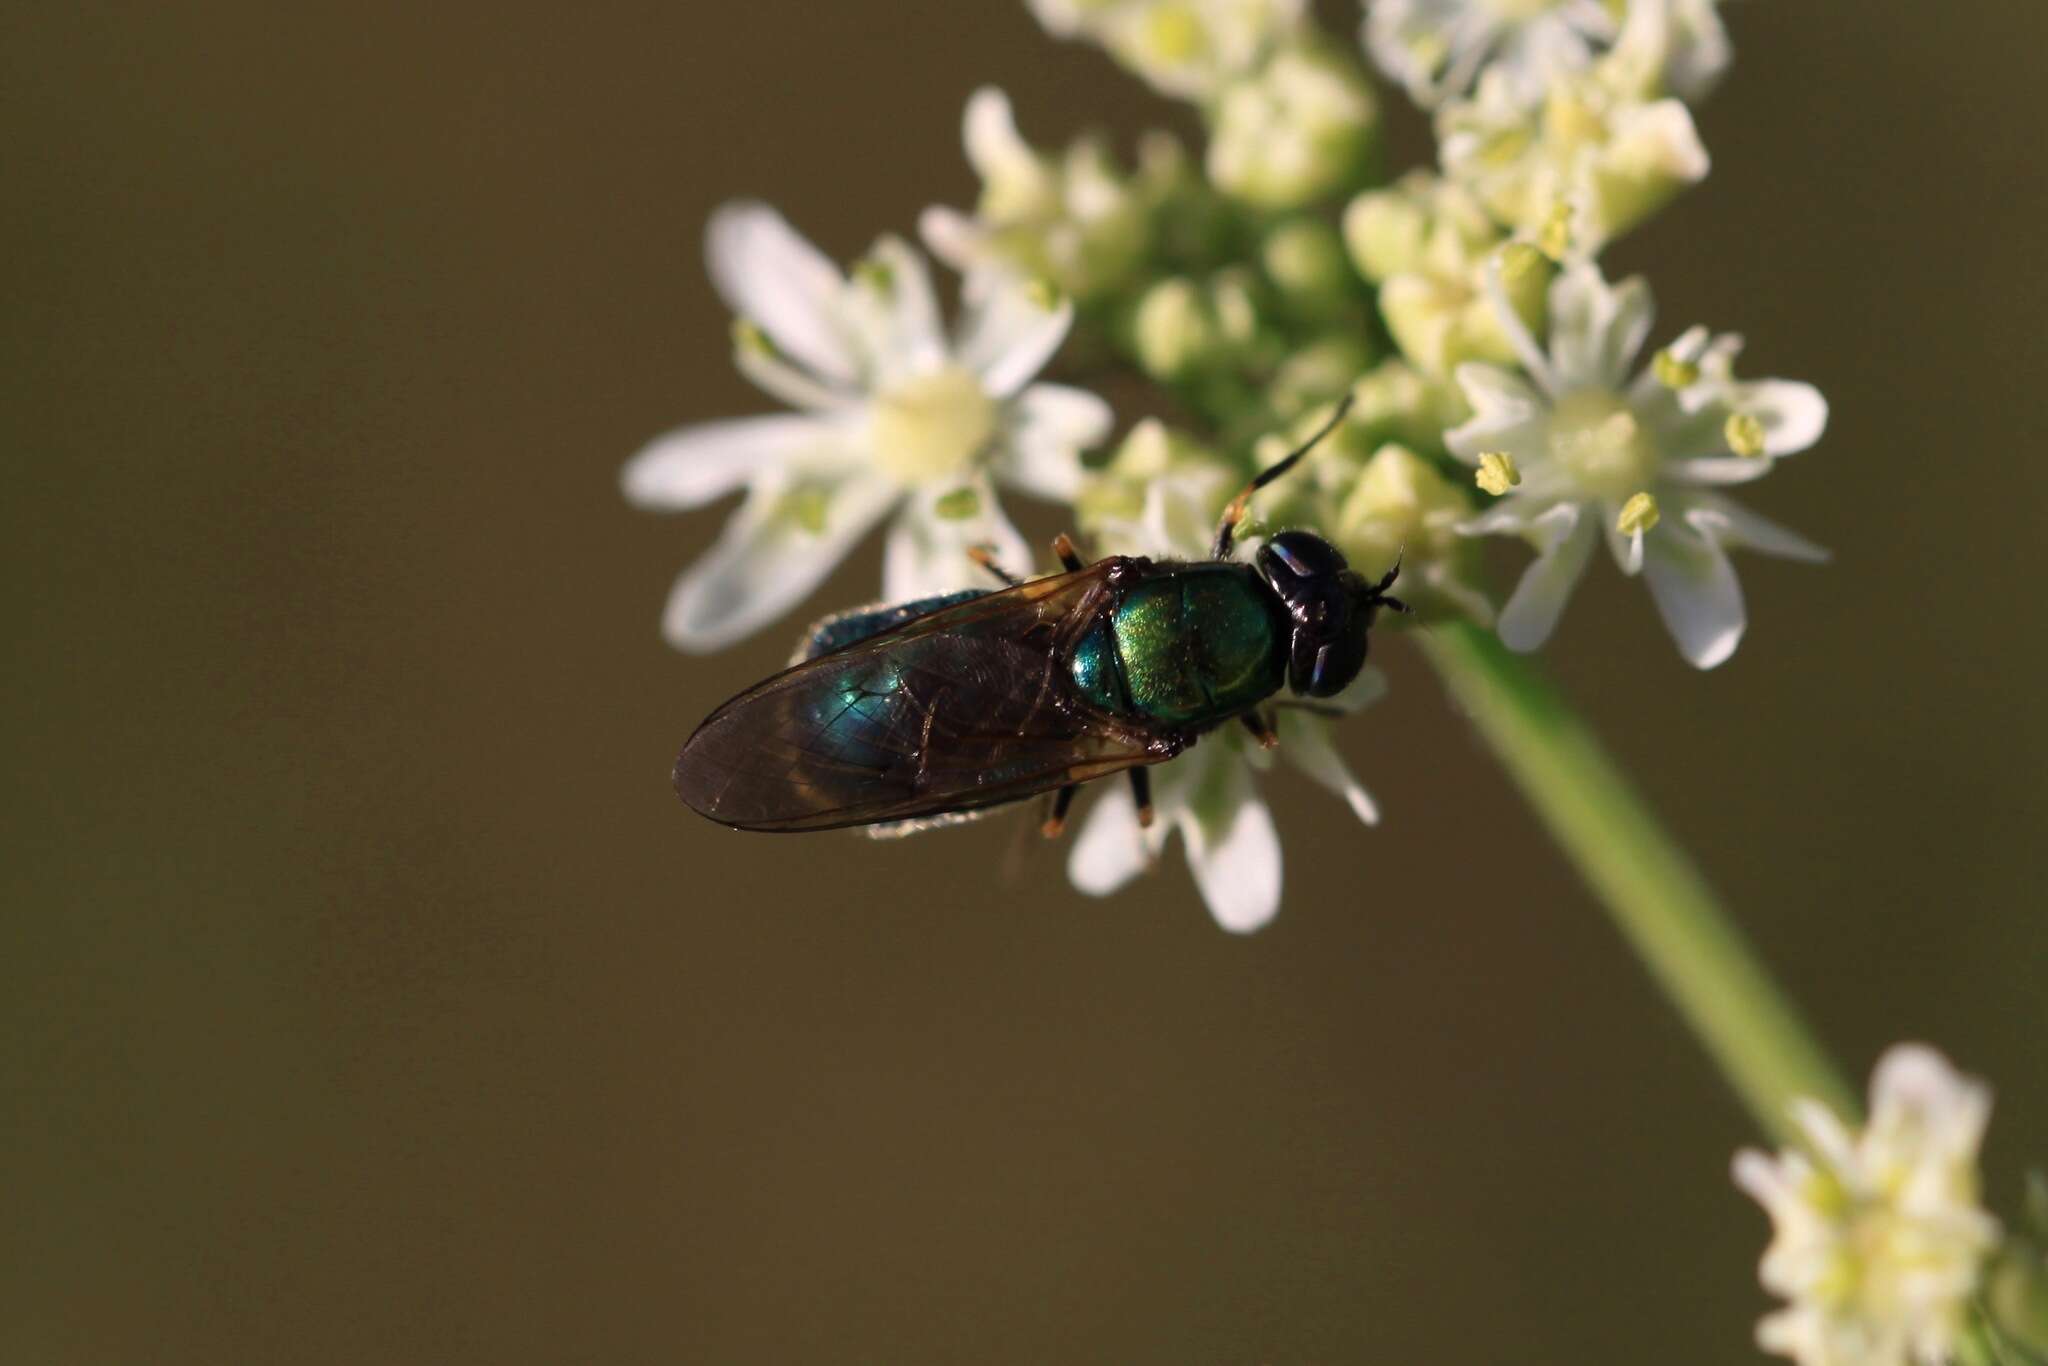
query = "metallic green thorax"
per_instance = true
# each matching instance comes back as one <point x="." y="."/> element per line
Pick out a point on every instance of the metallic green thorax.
<point x="1187" y="648"/>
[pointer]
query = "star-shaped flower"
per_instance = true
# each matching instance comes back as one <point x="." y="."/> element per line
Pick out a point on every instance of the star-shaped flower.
<point x="893" y="414"/>
<point x="1639" y="458"/>
<point x="1877" y="1236"/>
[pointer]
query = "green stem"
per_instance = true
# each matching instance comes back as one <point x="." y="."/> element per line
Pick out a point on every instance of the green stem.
<point x="1655" y="894"/>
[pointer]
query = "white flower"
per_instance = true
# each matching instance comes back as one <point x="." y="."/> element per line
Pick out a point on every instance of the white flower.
<point x="1436" y="48"/>
<point x="892" y="415"/>
<point x="1185" y="48"/>
<point x="1207" y="794"/>
<point x="1877" y="1237"/>
<point x="1074" y="219"/>
<point x="1602" y="159"/>
<point x="1640" y="460"/>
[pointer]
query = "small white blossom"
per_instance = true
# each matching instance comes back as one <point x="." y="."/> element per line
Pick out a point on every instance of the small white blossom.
<point x="893" y="414"/>
<point x="1072" y="218"/>
<point x="1589" y="158"/>
<point x="1207" y="794"/>
<point x="1186" y="48"/>
<point x="1639" y="460"/>
<point x="1877" y="1238"/>
<point x="1438" y="48"/>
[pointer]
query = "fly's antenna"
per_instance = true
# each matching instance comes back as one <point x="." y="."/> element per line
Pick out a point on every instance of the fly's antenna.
<point x="1226" y="529"/>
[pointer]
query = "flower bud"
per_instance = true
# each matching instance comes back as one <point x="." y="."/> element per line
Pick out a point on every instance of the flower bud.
<point x="1174" y="331"/>
<point x="1299" y="130"/>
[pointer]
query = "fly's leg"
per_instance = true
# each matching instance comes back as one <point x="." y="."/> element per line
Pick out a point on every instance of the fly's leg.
<point x="1141" y="789"/>
<point x="1063" y="546"/>
<point x="1226" y="529"/>
<point x="985" y="557"/>
<point x="1261" y="729"/>
<point x="1056" y="819"/>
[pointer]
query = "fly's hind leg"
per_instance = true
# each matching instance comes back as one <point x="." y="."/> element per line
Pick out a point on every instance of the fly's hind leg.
<point x="1261" y="729"/>
<point x="986" y="558"/>
<point x="1070" y="558"/>
<point x="1056" y="818"/>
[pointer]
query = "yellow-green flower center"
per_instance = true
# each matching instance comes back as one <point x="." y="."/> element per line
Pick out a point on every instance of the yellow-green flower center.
<point x="1597" y="441"/>
<point x="933" y="426"/>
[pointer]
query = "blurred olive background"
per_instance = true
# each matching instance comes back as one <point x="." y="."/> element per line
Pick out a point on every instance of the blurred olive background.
<point x="366" y="997"/>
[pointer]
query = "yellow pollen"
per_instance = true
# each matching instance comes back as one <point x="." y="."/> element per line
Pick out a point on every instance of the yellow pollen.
<point x="747" y="336"/>
<point x="876" y="274"/>
<point x="1674" y="373"/>
<point x="1638" y="515"/>
<point x="1497" y="473"/>
<point x="1043" y="293"/>
<point x="933" y="426"/>
<point x="1745" y="435"/>
<point x="808" y="506"/>
<point x="957" y="506"/>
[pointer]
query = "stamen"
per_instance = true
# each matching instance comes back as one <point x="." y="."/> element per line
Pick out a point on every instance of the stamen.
<point x="1745" y="435"/>
<point x="747" y="336"/>
<point x="1674" y="373"/>
<point x="1638" y="515"/>
<point x="1497" y="473"/>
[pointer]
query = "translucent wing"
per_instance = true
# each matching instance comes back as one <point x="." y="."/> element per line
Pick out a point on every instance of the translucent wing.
<point x="966" y="707"/>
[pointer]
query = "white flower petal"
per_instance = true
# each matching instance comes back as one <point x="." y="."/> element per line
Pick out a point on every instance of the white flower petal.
<point x="1110" y="849"/>
<point x="771" y="276"/>
<point x="695" y="465"/>
<point x="765" y="562"/>
<point x="926" y="554"/>
<point x="1793" y="414"/>
<point x="1511" y="516"/>
<point x="1596" y="328"/>
<point x="1054" y="423"/>
<point x="1696" y="593"/>
<point x="1716" y="470"/>
<point x="1506" y="413"/>
<point x="956" y="238"/>
<point x="1305" y="740"/>
<point x="1233" y="850"/>
<point x="1731" y="524"/>
<point x="899" y="313"/>
<point x="1009" y="337"/>
<point x="1532" y="611"/>
<point x="777" y="378"/>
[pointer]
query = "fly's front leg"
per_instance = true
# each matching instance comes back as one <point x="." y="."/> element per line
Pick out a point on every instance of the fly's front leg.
<point x="1056" y="819"/>
<point x="1261" y="729"/>
<point x="1141" y="790"/>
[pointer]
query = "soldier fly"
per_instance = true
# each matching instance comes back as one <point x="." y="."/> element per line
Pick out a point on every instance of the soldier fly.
<point x="942" y="709"/>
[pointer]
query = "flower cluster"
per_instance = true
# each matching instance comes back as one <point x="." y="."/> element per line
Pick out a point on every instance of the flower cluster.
<point x="1498" y="383"/>
<point x="1879" y="1241"/>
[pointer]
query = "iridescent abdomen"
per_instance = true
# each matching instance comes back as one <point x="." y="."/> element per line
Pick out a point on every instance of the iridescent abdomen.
<point x="1187" y="648"/>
